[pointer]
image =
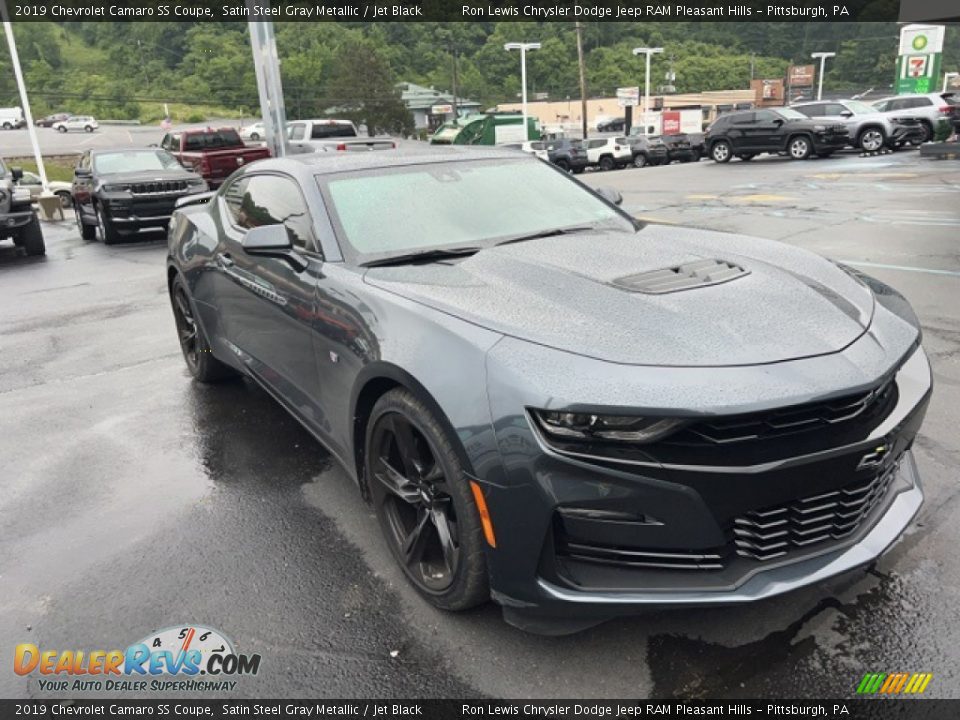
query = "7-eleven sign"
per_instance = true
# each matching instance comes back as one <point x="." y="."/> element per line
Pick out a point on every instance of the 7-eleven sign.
<point x="916" y="66"/>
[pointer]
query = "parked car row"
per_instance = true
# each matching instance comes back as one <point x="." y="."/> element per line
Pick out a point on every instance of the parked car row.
<point x="613" y="153"/>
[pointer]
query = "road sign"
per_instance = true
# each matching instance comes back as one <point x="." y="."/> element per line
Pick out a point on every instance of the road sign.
<point x="801" y="75"/>
<point x="918" y="65"/>
<point x="441" y="109"/>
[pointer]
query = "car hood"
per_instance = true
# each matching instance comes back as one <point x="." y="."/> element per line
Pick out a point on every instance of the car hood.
<point x="574" y="293"/>
<point x="148" y="176"/>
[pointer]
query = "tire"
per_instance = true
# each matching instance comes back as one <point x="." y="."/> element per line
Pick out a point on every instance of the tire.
<point x="697" y="154"/>
<point x="746" y="157"/>
<point x="424" y="503"/>
<point x="200" y="361"/>
<point x="871" y="139"/>
<point x="87" y="232"/>
<point x="105" y="229"/>
<point x="799" y="147"/>
<point x="31" y="238"/>
<point x="927" y="133"/>
<point x="563" y="165"/>
<point x="721" y="152"/>
<point x="7" y="126"/>
<point x="87" y="128"/>
<point x="61" y="129"/>
<point x="639" y="160"/>
<point x="66" y="199"/>
<point x="607" y="163"/>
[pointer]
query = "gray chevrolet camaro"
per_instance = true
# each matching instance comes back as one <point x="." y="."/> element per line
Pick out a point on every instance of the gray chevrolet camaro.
<point x="548" y="403"/>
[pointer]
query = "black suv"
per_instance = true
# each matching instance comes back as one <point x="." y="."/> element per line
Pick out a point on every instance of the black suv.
<point x="647" y="150"/>
<point x="782" y="130"/>
<point x="120" y="191"/>
<point x="18" y="220"/>
<point x="568" y="155"/>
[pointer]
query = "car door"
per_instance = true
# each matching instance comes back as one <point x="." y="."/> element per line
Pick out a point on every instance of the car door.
<point x="268" y="303"/>
<point x="765" y="132"/>
<point x="741" y="132"/>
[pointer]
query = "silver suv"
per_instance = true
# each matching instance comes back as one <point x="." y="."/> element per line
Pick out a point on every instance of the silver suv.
<point x="928" y="109"/>
<point x="869" y="129"/>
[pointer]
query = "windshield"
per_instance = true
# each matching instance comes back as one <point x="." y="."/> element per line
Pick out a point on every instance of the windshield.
<point x="791" y="114"/>
<point x="479" y="203"/>
<point x="212" y="139"/>
<point x="133" y="161"/>
<point x="861" y="108"/>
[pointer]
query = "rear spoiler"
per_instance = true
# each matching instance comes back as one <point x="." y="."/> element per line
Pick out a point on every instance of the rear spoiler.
<point x="197" y="199"/>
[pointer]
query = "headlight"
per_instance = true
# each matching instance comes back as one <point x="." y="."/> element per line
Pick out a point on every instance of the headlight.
<point x="618" y="428"/>
<point x="116" y="188"/>
<point x="21" y="195"/>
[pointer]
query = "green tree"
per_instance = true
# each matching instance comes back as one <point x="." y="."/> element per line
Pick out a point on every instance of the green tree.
<point x="363" y="88"/>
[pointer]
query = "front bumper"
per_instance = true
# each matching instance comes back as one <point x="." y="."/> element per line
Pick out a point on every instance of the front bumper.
<point x="592" y="538"/>
<point x="14" y="220"/>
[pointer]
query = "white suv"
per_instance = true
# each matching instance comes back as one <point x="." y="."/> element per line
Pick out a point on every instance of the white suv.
<point x="609" y="153"/>
<point x="928" y="109"/>
<point x="76" y="122"/>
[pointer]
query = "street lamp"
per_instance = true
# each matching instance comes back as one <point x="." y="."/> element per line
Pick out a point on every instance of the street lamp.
<point x="523" y="47"/>
<point x="646" y="83"/>
<point x="823" y="59"/>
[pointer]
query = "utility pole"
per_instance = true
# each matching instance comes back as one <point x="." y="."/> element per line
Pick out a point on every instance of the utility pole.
<point x="583" y="78"/>
<point x="453" y="50"/>
<point x="823" y="59"/>
<point x="523" y="48"/>
<point x="266" y="63"/>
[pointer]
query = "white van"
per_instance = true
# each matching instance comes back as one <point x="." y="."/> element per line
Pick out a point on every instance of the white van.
<point x="11" y="118"/>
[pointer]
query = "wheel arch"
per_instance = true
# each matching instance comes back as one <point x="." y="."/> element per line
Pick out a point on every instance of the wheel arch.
<point x="375" y="381"/>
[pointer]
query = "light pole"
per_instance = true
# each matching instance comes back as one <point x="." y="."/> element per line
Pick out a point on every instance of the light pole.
<point x="646" y="83"/>
<point x="823" y="59"/>
<point x="523" y="47"/>
<point x="946" y="79"/>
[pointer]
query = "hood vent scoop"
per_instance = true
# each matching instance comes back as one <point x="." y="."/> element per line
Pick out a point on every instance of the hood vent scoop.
<point x="699" y="273"/>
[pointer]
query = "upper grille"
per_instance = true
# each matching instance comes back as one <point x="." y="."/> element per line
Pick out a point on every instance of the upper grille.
<point x="160" y="187"/>
<point x="773" y="532"/>
<point x="699" y="273"/>
<point x="786" y="421"/>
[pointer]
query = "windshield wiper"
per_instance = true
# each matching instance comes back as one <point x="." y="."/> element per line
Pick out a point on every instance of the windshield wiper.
<point x="547" y="233"/>
<point x="422" y="256"/>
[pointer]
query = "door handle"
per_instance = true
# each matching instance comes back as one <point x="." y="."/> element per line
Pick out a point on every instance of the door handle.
<point x="225" y="260"/>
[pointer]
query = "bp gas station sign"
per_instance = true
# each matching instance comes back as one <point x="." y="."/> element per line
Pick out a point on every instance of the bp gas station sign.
<point x="918" y="63"/>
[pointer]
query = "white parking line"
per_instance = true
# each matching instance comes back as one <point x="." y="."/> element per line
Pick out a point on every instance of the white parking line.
<point x="905" y="268"/>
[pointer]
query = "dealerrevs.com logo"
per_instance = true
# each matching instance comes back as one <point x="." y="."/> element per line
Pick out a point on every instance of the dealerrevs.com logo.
<point x="179" y="658"/>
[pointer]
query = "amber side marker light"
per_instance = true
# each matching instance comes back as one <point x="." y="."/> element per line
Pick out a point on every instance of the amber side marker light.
<point x="484" y="514"/>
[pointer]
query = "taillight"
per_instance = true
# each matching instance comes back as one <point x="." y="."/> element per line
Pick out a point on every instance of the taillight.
<point x="946" y="109"/>
<point x="341" y="146"/>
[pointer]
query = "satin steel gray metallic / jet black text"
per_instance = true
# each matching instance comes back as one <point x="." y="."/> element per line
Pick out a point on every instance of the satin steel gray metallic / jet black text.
<point x="548" y="403"/>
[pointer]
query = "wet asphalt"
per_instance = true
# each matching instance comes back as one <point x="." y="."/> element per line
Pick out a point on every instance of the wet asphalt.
<point x="132" y="499"/>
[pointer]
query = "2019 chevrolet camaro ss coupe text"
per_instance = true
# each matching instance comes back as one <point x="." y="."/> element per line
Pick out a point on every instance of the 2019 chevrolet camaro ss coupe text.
<point x="548" y="403"/>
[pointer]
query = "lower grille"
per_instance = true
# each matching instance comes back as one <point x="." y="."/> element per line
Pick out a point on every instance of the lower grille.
<point x="645" y="558"/>
<point x="160" y="187"/>
<point x="773" y="532"/>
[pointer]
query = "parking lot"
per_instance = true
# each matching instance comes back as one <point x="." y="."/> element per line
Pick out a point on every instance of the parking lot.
<point x="136" y="499"/>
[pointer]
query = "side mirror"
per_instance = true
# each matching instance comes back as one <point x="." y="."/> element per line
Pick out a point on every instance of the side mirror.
<point x="273" y="241"/>
<point x="266" y="238"/>
<point x="16" y="173"/>
<point x="778" y="122"/>
<point x="610" y="195"/>
<point x="82" y="172"/>
<point x="846" y="114"/>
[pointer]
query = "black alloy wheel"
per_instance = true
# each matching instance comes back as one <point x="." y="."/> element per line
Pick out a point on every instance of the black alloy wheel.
<point x="87" y="232"/>
<point x="639" y="160"/>
<point x="193" y="343"/>
<point x="424" y="505"/>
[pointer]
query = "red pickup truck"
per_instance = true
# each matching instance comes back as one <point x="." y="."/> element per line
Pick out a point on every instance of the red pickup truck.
<point x="212" y="153"/>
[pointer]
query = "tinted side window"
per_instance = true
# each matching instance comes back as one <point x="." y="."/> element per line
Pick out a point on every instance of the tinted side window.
<point x="918" y="102"/>
<point x="273" y="200"/>
<point x="765" y="116"/>
<point x="744" y="119"/>
<point x="810" y="110"/>
<point x="833" y="109"/>
<point x="233" y="197"/>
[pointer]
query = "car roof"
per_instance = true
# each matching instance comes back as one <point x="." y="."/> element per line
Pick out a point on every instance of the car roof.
<point x="122" y="148"/>
<point x="413" y="153"/>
